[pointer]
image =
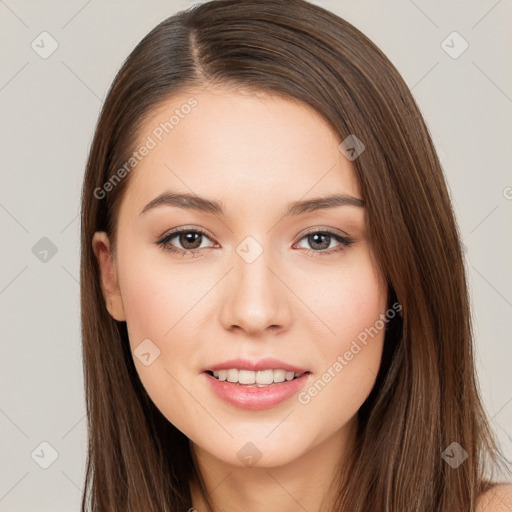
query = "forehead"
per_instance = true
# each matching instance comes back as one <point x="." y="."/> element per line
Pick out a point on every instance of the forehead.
<point x="246" y="149"/>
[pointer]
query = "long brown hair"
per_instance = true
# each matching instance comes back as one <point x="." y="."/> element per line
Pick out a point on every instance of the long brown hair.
<point x="426" y="395"/>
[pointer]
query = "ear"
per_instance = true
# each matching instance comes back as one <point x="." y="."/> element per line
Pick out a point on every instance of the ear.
<point x="108" y="275"/>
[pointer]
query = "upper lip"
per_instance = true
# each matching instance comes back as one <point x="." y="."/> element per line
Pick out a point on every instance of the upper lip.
<point x="268" y="363"/>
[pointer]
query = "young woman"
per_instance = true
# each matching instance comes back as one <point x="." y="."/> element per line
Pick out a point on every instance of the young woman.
<point x="274" y="304"/>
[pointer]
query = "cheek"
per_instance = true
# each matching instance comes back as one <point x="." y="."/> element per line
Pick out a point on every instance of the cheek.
<point x="353" y="307"/>
<point x="347" y="302"/>
<point x="164" y="303"/>
<point x="159" y="306"/>
<point x="155" y="297"/>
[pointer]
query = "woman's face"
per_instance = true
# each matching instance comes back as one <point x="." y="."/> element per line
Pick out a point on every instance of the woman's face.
<point x="259" y="283"/>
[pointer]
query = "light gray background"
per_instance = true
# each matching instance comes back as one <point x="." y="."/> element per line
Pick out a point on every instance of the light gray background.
<point x="49" y="109"/>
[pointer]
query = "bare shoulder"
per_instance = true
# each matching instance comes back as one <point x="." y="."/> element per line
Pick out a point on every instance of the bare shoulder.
<point x="496" y="499"/>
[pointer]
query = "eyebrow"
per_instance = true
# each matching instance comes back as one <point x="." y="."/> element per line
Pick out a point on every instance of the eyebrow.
<point x="193" y="202"/>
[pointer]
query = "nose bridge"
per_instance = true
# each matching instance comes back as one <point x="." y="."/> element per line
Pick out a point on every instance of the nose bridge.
<point x="254" y="299"/>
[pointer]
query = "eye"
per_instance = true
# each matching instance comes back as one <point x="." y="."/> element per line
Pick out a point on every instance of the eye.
<point x="191" y="242"/>
<point x="189" y="239"/>
<point x="322" y="240"/>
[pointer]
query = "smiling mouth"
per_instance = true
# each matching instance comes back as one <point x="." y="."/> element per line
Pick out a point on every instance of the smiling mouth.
<point x="262" y="378"/>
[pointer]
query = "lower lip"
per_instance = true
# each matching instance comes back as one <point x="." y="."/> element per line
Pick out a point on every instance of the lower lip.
<point x="253" y="397"/>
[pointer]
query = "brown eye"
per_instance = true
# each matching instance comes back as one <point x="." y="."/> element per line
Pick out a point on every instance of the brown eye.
<point x="320" y="241"/>
<point x="188" y="241"/>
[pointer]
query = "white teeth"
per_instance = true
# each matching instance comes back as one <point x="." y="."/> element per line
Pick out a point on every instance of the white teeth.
<point x="279" y="375"/>
<point x="246" y="377"/>
<point x="232" y="375"/>
<point x="265" y="376"/>
<point x="261" y="378"/>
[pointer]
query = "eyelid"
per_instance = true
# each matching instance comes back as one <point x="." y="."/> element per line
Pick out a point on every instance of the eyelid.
<point x="324" y="229"/>
<point x="178" y="230"/>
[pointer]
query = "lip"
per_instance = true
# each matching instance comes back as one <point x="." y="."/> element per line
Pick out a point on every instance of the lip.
<point x="268" y="363"/>
<point x="255" y="398"/>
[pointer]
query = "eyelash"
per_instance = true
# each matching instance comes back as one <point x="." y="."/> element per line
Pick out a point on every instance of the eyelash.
<point x="165" y="242"/>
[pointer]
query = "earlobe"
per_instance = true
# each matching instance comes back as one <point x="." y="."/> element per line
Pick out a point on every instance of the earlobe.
<point x="108" y="276"/>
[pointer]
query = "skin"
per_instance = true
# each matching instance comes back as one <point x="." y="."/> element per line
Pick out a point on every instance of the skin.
<point x="256" y="153"/>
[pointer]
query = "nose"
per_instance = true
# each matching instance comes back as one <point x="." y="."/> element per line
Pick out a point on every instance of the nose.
<point x="255" y="298"/>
